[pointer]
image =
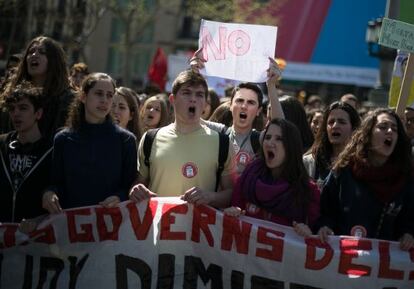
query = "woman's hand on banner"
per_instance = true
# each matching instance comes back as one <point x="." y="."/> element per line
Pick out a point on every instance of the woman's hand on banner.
<point x="50" y="202"/>
<point x="140" y="193"/>
<point x="406" y="242"/>
<point x="234" y="211"/>
<point x="197" y="196"/>
<point x="324" y="233"/>
<point x="302" y="229"/>
<point x="110" y="202"/>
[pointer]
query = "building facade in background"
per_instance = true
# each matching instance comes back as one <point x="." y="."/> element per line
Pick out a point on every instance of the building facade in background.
<point x="323" y="41"/>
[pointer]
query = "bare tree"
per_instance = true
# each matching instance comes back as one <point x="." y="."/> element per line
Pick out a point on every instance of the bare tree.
<point x="134" y="15"/>
<point x="83" y="21"/>
<point x="241" y="11"/>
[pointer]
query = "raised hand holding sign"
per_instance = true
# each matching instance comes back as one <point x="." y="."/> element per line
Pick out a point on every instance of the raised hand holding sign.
<point x="237" y="51"/>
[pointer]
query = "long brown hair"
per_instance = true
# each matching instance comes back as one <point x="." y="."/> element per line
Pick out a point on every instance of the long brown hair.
<point x="293" y="169"/>
<point x="57" y="80"/>
<point x="359" y="146"/>
<point x="76" y="115"/>
<point x="131" y="97"/>
<point x="164" y="119"/>
<point x="321" y="149"/>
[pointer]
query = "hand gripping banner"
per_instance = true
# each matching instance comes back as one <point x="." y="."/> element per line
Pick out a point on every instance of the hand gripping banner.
<point x="166" y="243"/>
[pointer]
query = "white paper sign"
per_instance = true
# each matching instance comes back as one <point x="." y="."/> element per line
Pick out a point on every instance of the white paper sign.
<point x="237" y="51"/>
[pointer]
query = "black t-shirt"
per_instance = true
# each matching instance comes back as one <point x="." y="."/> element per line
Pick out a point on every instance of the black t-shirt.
<point x="22" y="158"/>
<point x="24" y="175"/>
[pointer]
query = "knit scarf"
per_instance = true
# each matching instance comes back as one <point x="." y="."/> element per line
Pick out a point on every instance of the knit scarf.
<point x="384" y="181"/>
<point x="259" y="188"/>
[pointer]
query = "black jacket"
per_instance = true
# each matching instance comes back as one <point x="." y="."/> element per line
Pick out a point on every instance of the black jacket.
<point x="346" y="203"/>
<point x="21" y="188"/>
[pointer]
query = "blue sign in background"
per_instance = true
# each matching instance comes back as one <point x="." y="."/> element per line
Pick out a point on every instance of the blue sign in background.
<point x="342" y="39"/>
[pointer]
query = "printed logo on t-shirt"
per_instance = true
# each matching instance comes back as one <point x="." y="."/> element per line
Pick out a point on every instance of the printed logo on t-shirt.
<point x="20" y="165"/>
<point x="359" y="231"/>
<point x="189" y="170"/>
<point x="242" y="158"/>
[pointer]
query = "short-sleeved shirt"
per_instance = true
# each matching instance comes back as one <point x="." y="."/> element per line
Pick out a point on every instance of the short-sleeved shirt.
<point x="243" y="149"/>
<point x="179" y="161"/>
<point x="242" y="145"/>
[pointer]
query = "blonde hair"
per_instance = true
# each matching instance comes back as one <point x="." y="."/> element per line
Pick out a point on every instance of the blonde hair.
<point x="164" y="120"/>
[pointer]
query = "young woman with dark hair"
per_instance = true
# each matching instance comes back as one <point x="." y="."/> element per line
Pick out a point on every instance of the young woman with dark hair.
<point x="94" y="160"/>
<point x="315" y="117"/>
<point x="125" y="110"/>
<point x="44" y="65"/>
<point x="339" y="121"/>
<point x="369" y="192"/>
<point x="276" y="186"/>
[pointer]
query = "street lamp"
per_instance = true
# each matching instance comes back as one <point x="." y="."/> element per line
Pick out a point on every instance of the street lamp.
<point x="371" y="38"/>
<point x="386" y="56"/>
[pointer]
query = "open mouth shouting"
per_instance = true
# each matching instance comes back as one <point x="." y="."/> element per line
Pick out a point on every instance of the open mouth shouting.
<point x="34" y="63"/>
<point x="273" y="157"/>
<point x="337" y="137"/>
<point x="270" y="155"/>
<point x="336" y="134"/>
<point x="388" y="142"/>
<point x="384" y="147"/>
<point x="243" y="115"/>
<point x="191" y="111"/>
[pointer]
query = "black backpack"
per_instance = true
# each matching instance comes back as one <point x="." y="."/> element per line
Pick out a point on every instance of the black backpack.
<point x="222" y="156"/>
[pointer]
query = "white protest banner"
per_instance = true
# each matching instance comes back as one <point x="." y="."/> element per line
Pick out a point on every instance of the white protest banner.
<point x="237" y="51"/>
<point x="165" y="243"/>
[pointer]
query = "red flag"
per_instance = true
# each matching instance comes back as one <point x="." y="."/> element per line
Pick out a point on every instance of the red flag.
<point x="157" y="72"/>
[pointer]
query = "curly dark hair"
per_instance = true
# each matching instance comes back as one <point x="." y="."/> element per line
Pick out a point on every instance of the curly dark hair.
<point x="25" y="90"/>
<point x="57" y="80"/>
<point x="359" y="146"/>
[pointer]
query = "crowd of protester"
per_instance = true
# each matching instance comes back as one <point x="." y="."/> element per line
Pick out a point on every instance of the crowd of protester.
<point x="74" y="139"/>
